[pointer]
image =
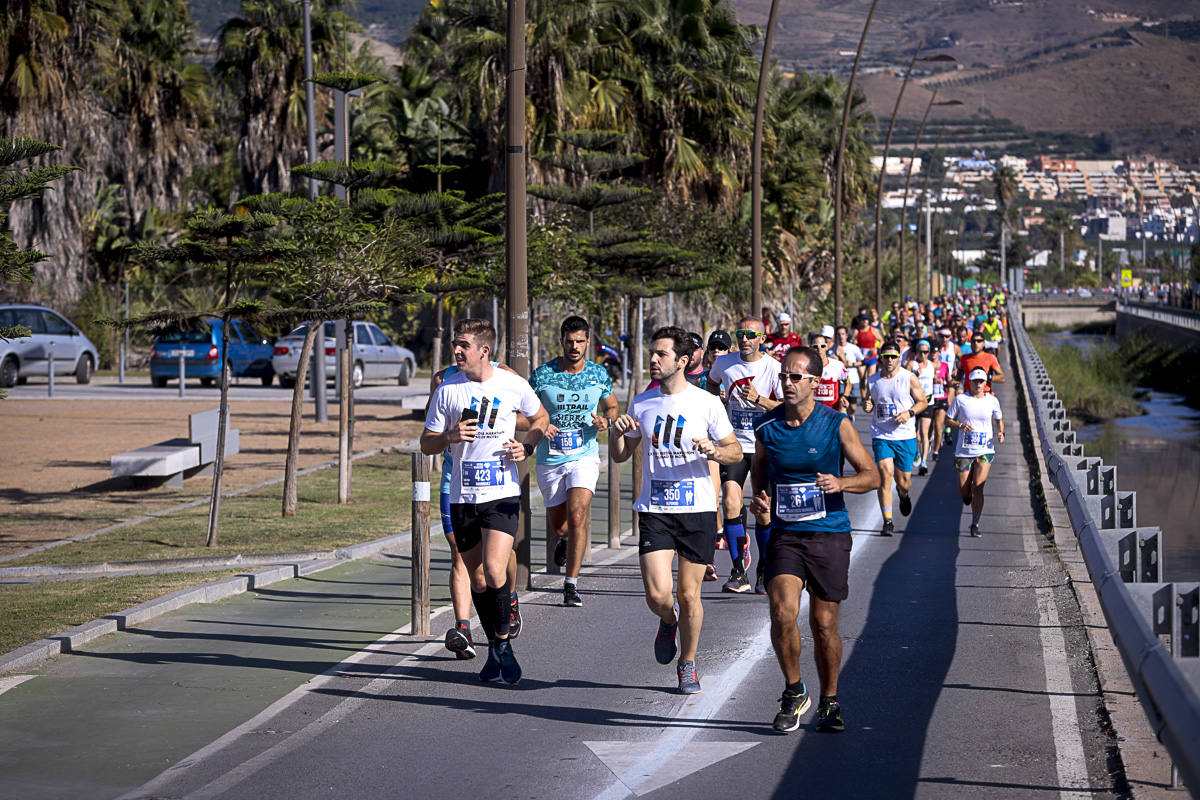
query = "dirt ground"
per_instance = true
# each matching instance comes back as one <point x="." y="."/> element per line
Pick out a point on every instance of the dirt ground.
<point x="54" y="457"/>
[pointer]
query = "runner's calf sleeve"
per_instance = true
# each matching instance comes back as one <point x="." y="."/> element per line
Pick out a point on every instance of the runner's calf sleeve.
<point x="762" y="534"/>
<point x="501" y="610"/>
<point x="735" y="531"/>
<point x="485" y="607"/>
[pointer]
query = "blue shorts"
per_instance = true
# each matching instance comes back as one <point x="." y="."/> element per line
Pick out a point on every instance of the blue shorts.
<point x="903" y="452"/>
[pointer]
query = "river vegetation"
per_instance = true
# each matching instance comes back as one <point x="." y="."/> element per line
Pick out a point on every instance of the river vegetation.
<point x="163" y="125"/>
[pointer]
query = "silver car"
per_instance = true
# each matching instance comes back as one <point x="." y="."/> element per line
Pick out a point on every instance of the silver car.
<point x="51" y="335"/>
<point x="376" y="356"/>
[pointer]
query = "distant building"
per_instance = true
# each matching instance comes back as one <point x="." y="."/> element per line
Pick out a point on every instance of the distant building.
<point x="896" y="165"/>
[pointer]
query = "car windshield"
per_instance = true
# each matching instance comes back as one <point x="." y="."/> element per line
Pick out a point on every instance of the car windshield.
<point x="303" y="329"/>
<point x="195" y="335"/>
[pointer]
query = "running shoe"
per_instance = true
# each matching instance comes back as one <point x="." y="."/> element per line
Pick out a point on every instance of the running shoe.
<point x="689" y="679"/>
<point x="514" y="618"/>
<point x="721" y="543"/>
<point x="760" y="582"/>
<point x="710" y="572"/>
<point x="975" y="531"/>
<point x="791" y="706"/>
<point x="905" y="505"/>
<point x="560" y="553"/>
<point x="491" y="667"/>
<point x="745" y="560"/>
<point x="888" y="528"/>
<point x="458" y="641"/>
<point x="571" y="597"/>
<point x="510" y="670"/>
<point x="664" y="642"/>
<point x="923" y="469"/>
<point x="967" y="500"/>
<point x="737" y="583"/>
<point x="933" y="456"/>
<point x="829" y="716"/>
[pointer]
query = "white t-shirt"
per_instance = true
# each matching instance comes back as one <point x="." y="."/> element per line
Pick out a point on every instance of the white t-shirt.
<point x="481" y="472"/>
<point x="730" y="372"/>
<point x="833" y="375"/>
<point x="854" y="355"/>
<point x="978" y="412"/>
<point x="675" y="478"/>
<point x="891" y="396"/>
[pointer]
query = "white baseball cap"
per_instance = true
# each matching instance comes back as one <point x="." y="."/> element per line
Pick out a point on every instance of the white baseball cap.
<point x="978" y="374"/>
<point x="827" y="331"/>
<point x="785" y="318"/>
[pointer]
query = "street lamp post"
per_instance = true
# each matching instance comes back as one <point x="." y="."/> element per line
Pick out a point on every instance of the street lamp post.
<point x="887" y="146"/>
<point x="837" y="183"/>
<point x="908" y="176"/>
<point x="310" y="96"/>
<point x="756" y="166"/>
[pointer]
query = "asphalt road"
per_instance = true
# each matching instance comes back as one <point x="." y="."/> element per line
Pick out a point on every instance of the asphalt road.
<point x="965" y="671"/>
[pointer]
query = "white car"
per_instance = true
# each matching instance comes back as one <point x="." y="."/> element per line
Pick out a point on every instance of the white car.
<point x="50" y="335"/>
<point x="376" y="356"/>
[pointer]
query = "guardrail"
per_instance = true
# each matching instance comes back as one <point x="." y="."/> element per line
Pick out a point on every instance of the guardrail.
<point x="1155" y="625"/>
<point x="1160" y="313"/>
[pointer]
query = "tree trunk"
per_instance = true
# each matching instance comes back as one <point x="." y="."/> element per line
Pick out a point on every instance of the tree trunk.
<point x="344" y="413"/>
<point x="214" y="504"/>
<point x="293" y="451"/>
<point x="438" y="336"/>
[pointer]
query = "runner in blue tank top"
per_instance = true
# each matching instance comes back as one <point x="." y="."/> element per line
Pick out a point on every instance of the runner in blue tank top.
<point x="798" y="490"/>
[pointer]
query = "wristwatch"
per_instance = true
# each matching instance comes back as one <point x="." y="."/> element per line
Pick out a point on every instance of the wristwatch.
<point x="529" y="448"/>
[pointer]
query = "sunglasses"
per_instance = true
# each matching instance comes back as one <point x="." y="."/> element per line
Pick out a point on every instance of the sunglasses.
<point x="796" y="377"/>
<point x="977" y="341"/>
<point x="923" y="352"/>
<point x="889" y="355"/>
<point x="744" y="334"/>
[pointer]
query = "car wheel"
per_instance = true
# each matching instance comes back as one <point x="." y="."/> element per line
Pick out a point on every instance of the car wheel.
<point x="207" y="381"/>
<point x="269" y="378"/>
<point x="405" y="374"/>
<point x="8" y="373"/>
<point x="83" y="370"/>
<point x="356" y="375"/>
<point x="287" y="381"/>
<point x="158" y="381"/>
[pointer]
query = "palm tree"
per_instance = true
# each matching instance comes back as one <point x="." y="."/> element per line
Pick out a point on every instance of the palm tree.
<point x="1004" y="182"/>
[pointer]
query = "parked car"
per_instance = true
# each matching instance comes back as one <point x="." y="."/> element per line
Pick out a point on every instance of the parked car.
<point x="376" y="356"/>
<point x="50" y="333"/>
<point x="249" y="354"/>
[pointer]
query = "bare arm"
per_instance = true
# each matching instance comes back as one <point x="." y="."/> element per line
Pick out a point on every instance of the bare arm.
<point x="866" y="478"/>
<point x="724" y="451"/>
<point x="620" y="447"/>
<point x="918" y="395"/>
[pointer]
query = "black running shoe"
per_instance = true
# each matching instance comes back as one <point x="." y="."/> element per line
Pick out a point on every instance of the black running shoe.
<point x="514" y="618"/>
<point x="905" y="504"/>
<point x="458" y="641"/>
<point x="510" y="670"/>
<point x="923" y="469"/>
<point x="967" y="500"/>
<point x="829" y="716"/>
<point x="791" y="706"/>
<point x="491" y="667"/>
<point x="571" y="596"/>
<point x="737" y="583"/>
<point x="888" y="528"/>
<point x="975" y="531"/>
<point x="760" y="581"/>
<point x="560" y="553"/>
<point x="664" y="642"/>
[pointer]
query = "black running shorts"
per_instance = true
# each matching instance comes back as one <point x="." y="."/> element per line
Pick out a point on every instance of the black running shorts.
<point x="692" y="535"/>
<point x="821" y="560"/>
<point x="470" y="520"/>
<point x="737" y="471"/>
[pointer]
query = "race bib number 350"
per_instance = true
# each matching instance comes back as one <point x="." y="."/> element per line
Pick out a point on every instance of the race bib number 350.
<point x="672" y="494"/>
<point x="482" y="473"/>
<point x="799" y="502"/>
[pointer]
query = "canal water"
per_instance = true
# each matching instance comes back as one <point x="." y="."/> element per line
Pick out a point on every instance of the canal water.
<point x="1157" y="455"/>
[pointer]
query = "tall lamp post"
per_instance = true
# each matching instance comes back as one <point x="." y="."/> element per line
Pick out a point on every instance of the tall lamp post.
<point x="756" y="167"/>
<point x="908" y="175"/>
<point x="310" y="95"/>
<point x="837" y="181"/>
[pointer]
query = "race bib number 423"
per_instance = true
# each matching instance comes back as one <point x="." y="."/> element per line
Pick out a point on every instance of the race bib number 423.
<point x="672" y="494"/>
<point x="476" y="474"/>
<point x="799" y="502"/>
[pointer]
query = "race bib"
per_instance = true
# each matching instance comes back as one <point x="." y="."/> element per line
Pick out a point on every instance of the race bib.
<point x="939" y="390"/>
<point x="799" y="502"/>
<point x="567" y="441"/>
<point x="977" y="438"/>
<point x="885" y="411"/>
<point x="825" y="391"/>
<point x="482" y="473"/>
<point x="926" y="385"/>
<point x="672" y="494"/>
<point x="743" y="418"/>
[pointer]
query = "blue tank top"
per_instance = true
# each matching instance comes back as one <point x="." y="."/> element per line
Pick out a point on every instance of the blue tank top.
<point x="795" y="454"/>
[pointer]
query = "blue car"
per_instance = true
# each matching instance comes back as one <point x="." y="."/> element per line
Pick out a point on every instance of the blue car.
<point x="249" y="354"/>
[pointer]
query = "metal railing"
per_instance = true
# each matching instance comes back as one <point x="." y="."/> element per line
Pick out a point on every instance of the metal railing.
<point x="1155" y="625"/>
<point x="1178" y="317"/>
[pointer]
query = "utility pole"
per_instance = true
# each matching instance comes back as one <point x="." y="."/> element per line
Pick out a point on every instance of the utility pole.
<point x="310" y="99"/>
<point x="517" y="305"/>
<point x="887" y="146"/>
<point x="756" y="167"/>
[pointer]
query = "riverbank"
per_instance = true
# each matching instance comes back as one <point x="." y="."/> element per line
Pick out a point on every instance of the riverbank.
<point x="1095" y="383"/>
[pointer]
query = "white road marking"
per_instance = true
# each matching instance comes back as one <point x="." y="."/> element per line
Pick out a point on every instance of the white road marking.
<point x="624" y="757"/>
<point x="13" y="681"/>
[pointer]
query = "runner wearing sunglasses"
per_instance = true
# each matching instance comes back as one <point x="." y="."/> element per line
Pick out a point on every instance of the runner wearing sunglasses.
<point x="894" y="398"/>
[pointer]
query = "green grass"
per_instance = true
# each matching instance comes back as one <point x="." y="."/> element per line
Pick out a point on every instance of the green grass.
<point x="380" y="505"/>
<point x="1095" y="385"/>
<point x="34" y="611"/>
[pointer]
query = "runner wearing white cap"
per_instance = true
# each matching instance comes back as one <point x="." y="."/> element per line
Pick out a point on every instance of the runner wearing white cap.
<point x="972" y="413"/>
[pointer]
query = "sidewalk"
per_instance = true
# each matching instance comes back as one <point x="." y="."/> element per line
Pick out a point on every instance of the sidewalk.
<point x="966" y="669"/>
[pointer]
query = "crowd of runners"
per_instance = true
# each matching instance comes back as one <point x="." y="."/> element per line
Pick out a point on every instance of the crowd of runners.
<point x="765" y="403"/>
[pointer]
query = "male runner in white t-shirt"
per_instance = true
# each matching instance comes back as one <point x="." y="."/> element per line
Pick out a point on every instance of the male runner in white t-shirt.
<point x="474" y="413"/>
<point x="681" y="428"/>
<point x="750" y="380"/>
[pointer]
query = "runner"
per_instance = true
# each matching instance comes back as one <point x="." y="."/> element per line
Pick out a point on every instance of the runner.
<point x="972" y="414"/>
<point x="978" y="357"/>
<point x="921" y="364"/>
<point x="750" y="382"/>
<point x="943" y="392"/>
<point x="850" y="355"/>
<point x="719" y="343"/>
<point x="799" y="454"/>
<point x="867" y="339"/>
<point x="681" y="429"/>
<point x="578" y="395"/>
<point x="474" y="413"/>
<point x="835" y="378"/>
<point x="783" y="338"/>
<point x="895" y="396"/>
<point x="993" y="332"/>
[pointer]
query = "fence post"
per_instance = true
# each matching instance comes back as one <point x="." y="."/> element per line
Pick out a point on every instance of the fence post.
<point x="50" y="367"/>
<point x="420" y="545"/>
<point x="182" y="368"/>
<point x="614" y="497"/>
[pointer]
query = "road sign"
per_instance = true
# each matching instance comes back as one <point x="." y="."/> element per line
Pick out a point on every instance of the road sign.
<point x="1127" y="277"/>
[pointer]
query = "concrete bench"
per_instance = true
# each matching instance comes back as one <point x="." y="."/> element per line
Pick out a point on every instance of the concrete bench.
<point x="171" y="461"/>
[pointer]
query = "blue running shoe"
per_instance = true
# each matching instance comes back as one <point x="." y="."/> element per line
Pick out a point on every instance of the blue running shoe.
<point x="510" y="670"/>
<point x="689" y="680"/>
<point x="664" y="642"/>
<point x="491" y="668"/>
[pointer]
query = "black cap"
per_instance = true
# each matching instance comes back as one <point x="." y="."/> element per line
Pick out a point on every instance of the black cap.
<point x="696" y="340"/>
<point x="720" y="338"/>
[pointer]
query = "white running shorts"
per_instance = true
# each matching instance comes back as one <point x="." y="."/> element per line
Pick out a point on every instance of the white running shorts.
<point x="554" y="481"/>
